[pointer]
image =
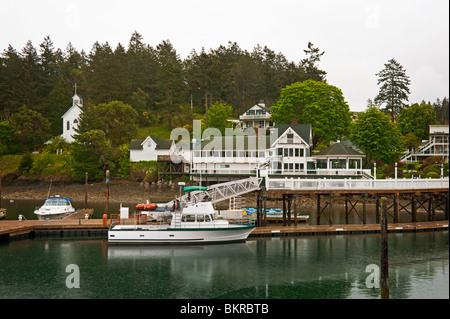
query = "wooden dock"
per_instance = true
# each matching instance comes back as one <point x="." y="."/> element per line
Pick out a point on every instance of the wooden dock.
<point x="302" y="230"/>
<point x="12" y="229"/>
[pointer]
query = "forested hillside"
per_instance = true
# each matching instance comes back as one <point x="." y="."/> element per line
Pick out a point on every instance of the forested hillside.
<point x="152" y="79"/>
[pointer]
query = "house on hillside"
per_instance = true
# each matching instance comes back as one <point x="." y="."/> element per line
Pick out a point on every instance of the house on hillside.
<point x="150" y="148"/>
<point x="436" y="145"/>
<point x="282" y="151"/>
<point x="71" y="118"/>
<point x="258" y="116"/>
<point x="285" y="149"/>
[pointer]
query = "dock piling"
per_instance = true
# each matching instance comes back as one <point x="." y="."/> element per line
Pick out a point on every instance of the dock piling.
<point x="384" y="276"/>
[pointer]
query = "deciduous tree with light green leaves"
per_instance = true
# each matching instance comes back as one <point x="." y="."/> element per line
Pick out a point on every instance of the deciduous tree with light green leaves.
<point x="317" y="103"/>
<point x="416" y="119"/>
<point x="377" y="137"/>
<point x="218" y="114"/>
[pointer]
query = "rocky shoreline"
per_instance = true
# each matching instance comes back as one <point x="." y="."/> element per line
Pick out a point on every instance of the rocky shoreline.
<point x="119" y="191"/>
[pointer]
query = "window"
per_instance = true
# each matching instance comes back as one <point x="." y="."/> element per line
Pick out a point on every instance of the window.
<point x="291" y="152"/>
<point x="290" y="138"/>
<point x="296" y="166"/>
<point x="261" y="124"/>
<point x="302" y="152"/>
<point x="338" y="163"/>
<point x="280" y="151"/>
<point x="353" y="163"/>
<point x="68" y="125"/>
<point x="224" y="165"/>
<point x="297" y="153"/>
<point x="200" y="218"/>
<point x="189" y="218"/>
<point x="286" y="151"/>
<point x="322" y="163"/>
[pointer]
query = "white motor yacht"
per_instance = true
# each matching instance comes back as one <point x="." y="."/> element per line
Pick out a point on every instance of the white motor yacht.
<point x="194" y="223"/>
<point x="55" y="208"/>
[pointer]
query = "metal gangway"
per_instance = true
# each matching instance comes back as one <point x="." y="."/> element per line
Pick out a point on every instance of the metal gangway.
<point x="219" y="192"/>
<point x="222" y="191"/>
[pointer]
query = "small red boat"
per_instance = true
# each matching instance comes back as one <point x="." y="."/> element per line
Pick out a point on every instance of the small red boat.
<point x="146" y="206"/>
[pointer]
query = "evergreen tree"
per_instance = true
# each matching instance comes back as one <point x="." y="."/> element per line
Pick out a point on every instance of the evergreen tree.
<point x="309" y="63"/>
<point x="200" y="76"/>
<point x="49" y="69"/>
<point x="394" y="88"/>
<point x="11" y="71"/>
<point x="170" y="80"/>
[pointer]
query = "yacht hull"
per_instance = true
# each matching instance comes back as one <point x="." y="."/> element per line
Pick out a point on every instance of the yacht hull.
<point x="147" y="234"/>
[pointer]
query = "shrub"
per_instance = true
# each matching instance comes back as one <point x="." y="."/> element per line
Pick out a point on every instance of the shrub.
<point x="433" y="175"/>
<point x="432" y="168"/>
<point x="26" y="164"/>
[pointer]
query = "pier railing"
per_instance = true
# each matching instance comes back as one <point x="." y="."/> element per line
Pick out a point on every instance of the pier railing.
<point x="354" y="184"/>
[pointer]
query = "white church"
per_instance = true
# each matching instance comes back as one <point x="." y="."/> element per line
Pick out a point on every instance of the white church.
<point x="72" y="117"/>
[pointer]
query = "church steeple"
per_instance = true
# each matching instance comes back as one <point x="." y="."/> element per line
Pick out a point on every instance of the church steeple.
<point x="76" y="99"/>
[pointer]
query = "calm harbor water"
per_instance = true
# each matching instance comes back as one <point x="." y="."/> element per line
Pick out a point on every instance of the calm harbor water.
<point x="319" y="267"/>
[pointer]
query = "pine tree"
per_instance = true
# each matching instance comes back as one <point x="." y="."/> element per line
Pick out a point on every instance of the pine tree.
<point x="309" y="63"/>
<point x="394" y="88"/>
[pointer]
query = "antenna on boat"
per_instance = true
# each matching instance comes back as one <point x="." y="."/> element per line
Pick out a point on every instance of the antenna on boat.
<point x="49" y="188"/>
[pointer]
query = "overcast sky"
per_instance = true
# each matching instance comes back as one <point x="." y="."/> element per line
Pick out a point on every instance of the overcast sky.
<point x="358" y="36"/>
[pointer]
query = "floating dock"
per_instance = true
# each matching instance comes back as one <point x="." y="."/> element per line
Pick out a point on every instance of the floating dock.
<point x="12" y="229"/>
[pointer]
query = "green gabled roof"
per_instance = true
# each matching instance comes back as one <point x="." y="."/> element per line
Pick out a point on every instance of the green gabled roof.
<point x="303" y="130"/>
<point x="161" y="144"/>
<point x="136" y="144"/>
<point x="338" y="149"/>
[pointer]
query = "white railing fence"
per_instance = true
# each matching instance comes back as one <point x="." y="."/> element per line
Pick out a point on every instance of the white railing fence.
<point x="356" y="184"/>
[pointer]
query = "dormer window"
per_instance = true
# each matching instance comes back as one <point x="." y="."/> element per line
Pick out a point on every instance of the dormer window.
<point x="290" y="138"/>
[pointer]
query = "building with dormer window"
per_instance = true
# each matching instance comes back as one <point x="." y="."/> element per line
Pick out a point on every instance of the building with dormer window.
<point x="258" y="116"/>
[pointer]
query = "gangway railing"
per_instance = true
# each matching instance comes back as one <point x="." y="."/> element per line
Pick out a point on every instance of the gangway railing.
<point x="219" y="192"/>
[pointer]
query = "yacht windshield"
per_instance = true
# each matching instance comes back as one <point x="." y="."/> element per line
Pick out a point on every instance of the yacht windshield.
<point x="56" y="202"/>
